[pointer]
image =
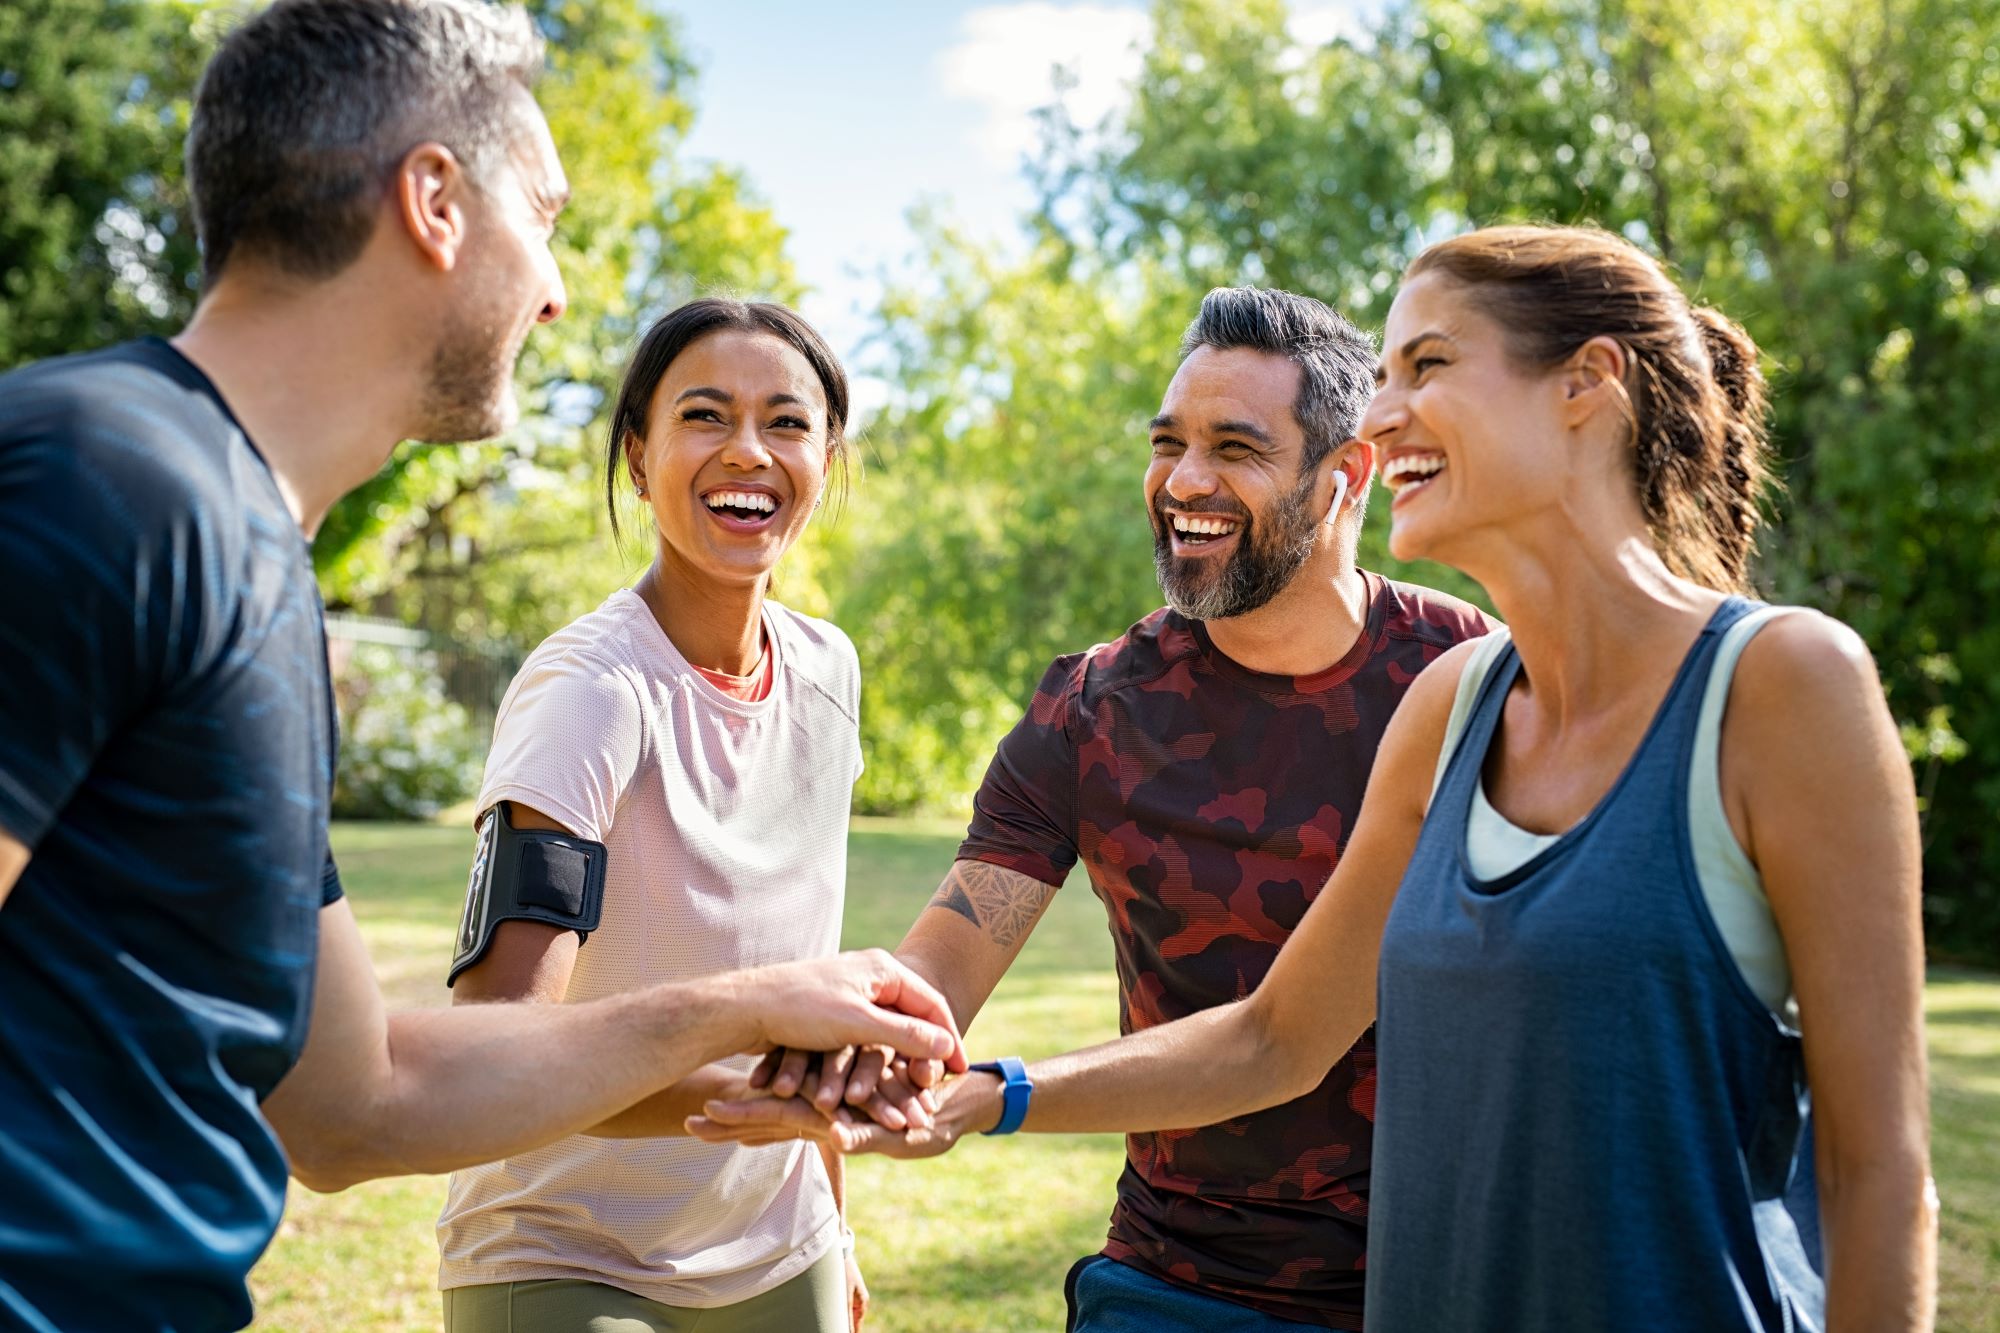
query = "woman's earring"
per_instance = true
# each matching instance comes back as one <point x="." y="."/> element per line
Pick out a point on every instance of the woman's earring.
<point x="642" y="490"/>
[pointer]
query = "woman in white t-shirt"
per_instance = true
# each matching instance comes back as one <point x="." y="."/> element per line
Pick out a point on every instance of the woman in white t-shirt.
<point x="707" y="737"/>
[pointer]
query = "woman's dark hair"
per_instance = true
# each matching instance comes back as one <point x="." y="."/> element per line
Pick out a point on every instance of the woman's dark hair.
<point x="1700" y="444"/>
<point x="679" y="329"/>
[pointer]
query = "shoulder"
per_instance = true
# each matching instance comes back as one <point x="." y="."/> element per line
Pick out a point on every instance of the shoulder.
<point x="113" y="434"/>
<point x="1148" y="650"/>
<point x="585" y="668"/>
<point x="1803" y="671"/>
<point x="820" y="652"/>
<point x="1428" y="616"/>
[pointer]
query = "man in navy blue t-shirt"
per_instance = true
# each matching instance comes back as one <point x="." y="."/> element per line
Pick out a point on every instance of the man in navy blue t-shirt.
<point x="374" y="189"/>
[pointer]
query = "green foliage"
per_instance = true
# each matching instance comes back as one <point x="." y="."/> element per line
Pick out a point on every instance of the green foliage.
<point x="95" y="245"/>
<point x="406" y="750"/>
<point x="1826" y="172"/>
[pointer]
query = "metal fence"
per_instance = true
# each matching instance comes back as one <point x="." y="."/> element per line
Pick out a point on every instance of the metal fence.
<point x="474" y="676"/>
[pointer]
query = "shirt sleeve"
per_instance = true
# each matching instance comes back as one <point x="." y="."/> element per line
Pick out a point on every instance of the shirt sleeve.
<point x="1024" y="815"/>
<point x="567" y="743"/>
<point x="84" y="569"/>
<point x="331" y="890"/>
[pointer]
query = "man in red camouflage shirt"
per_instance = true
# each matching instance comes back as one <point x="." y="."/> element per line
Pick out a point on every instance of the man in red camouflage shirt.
<point x="1206" y="768"/>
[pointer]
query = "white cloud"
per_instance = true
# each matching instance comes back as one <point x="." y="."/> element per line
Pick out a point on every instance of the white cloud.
<point x="1317" y="22"/>
<point x="1007" y="55"/>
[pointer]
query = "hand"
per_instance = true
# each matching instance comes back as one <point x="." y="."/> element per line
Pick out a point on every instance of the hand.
<point x="873" y="1079"/>
<point x="857" y="1295"/>
<point x="968" y="1105"/>
<point x="854" y="999"/>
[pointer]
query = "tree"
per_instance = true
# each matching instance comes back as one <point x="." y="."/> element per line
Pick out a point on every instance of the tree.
<point x="94" y="241"/>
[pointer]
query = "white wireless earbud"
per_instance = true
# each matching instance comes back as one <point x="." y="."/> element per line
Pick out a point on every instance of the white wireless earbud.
<point x="1339" y="495"/>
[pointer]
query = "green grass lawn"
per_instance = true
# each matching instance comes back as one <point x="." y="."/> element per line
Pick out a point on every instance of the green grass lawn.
<point x="976" y="1241"/>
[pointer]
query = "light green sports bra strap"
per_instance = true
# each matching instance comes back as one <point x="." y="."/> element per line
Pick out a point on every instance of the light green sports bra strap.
<point x="1477" y="669"/>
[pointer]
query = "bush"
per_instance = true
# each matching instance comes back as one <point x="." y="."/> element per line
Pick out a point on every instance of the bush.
<point x="406" y="750"/>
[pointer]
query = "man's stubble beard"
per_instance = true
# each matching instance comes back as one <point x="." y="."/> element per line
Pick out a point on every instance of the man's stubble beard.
<point x="469" y="387"/>
<point x="1262" y="567"/>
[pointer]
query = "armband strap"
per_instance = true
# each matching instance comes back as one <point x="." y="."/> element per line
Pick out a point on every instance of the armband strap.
<point x="526" y="875"/>
<point x="1015" y="1090"/>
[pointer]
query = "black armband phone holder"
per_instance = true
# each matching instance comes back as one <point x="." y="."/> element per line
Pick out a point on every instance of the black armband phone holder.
<point x="526" y="875"/>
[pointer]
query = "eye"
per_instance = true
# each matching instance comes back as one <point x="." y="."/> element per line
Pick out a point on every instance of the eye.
<point x="1167" y="444"/>
<point x="791" y="423"/>
<point x="1424" y="364"/>
<point x="701" y="414"/>
<point x="1233" y="448"/>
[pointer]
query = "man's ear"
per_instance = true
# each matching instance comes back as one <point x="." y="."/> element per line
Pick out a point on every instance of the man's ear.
<point x="430" y="191"/>
<point x="1356" y="461"/>
<point x="1593" y="379"/>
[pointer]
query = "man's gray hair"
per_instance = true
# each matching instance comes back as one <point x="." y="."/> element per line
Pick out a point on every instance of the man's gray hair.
<point x="307" y="107"/>
<point x="1336" y="361"/>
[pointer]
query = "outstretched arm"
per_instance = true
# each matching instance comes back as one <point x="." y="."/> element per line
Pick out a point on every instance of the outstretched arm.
<point x="1821" y="795"/>
<point x="377" y="1094"/>
<point x="1234" y="1059"/>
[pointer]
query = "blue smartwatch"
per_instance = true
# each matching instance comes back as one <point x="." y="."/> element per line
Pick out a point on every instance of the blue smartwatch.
<point x="1015" y="1090"/>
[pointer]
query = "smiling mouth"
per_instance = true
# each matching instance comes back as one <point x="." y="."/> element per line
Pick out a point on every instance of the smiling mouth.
<point x="1197" y="530"/>
<point x="1411" y="473"/>
<point x="741" y="509"/>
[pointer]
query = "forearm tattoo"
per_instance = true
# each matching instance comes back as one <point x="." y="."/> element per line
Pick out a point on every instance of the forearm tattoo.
<point x="1003" y="903"/>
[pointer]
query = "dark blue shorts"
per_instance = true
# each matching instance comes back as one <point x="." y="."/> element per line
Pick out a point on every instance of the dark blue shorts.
<point x="1106" y="1296"/>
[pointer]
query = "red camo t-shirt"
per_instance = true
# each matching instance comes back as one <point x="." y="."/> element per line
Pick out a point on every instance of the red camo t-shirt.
<point x="1209" y="803"/>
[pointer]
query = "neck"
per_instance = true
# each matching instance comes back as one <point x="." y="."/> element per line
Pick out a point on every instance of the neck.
<point x="713" y="624"/>
<point x="1591" y="607"/>
<point x="320" y="385"/>
<point x="1306" y="628"/>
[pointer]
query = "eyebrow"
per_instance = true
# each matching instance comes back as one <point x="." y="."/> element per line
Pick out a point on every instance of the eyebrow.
<point x="724" y="396"/>
<point x="1409" y="348"/>
<point x="1254" y="431"/>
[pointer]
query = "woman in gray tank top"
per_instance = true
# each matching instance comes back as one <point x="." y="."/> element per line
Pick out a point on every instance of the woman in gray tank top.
<point x="1586" y="1119"/>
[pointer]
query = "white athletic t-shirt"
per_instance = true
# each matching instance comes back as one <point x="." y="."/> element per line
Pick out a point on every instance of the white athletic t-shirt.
<point x="725" y="824"/>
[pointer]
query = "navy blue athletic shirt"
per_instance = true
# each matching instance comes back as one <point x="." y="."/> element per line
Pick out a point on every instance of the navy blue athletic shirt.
<point x="166" y="754"/>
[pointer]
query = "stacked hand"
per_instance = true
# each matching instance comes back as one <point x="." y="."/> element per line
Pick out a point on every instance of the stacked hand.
<point x="866" y="1099"/>
<point x="830" y="1003"/>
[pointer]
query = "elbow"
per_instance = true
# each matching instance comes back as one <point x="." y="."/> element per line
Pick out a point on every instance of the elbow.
<point x="325" y="1173"/>
<point x="331" y="1163"/>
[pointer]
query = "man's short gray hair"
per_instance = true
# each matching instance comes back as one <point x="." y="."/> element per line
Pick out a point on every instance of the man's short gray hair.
<point x="307" y="107"/>
<point x="1336" y="361"/>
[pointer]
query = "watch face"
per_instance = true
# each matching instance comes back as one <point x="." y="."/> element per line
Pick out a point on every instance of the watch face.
<point x="478" y="885"/>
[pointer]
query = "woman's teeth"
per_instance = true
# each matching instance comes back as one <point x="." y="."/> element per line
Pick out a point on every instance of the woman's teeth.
<point x="1411" y="470"/>
<point x="754" y="502"/>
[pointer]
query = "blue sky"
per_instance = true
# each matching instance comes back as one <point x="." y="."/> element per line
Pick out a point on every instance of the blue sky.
<point x="845" y="115"/>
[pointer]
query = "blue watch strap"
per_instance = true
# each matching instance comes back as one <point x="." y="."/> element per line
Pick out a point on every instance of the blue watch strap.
<point x="1015" y="1090"/>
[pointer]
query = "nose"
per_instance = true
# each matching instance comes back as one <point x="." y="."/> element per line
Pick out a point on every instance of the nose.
<point x="1191" y="479"/>
<point x="1387" y="413"/>
<point x="745" y="448"/>
<point x="555" y="299"/>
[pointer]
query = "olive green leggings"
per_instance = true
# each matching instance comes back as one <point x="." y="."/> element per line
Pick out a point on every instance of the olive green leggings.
<point x="813" y="1302"/>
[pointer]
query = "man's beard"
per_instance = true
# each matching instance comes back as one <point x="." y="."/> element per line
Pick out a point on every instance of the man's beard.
<point x="1263" y="566"/>
<point x="469" y="393"/>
